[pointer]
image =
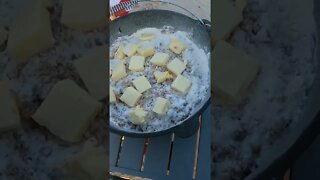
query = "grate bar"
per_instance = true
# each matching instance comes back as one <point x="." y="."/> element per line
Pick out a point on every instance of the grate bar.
<point x="170" y="155"/>
<point x="196" y="154"/>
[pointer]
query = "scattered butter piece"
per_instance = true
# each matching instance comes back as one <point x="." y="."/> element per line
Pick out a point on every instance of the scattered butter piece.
<point x="233" y="71"/>
<point x="161" y="106"/>
<point x="119" y="71"/>
<point x="160" y="59"/>
<point x="9" y="114"/>
<point x="47" y="3"/>
<point x="130" y="49"/>
<point x="83" y="14"/>
<point x="119" y="53"/>
<point x="185" y="62"/>
<point x="138" y="116"/>
<point x="142" y="84"/>
<point x="3" y="35"/>
<point x="67" y="111"/>
<point x="29" y="34"/>
<point x="91" y="68"/>
<point x="181" y="84"/>
<point x="130" y="96"/>
<point x="112" y="96"/>
<point x="146" y="51"/>
<point x="176" y="66"/>
<point x="162" y="76"/>
<point x="89" y="163"/>
<point x="226" y="19"/>
<point x="137" y="63"/>
<point x="241" y="4"/>
<point x="146" y="36"/>
<point x="176" y="46"/>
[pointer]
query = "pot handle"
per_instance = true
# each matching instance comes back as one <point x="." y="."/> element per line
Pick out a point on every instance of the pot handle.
<point x="167" y="2"/>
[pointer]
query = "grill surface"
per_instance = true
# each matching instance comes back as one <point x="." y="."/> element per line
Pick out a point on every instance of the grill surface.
<point x="163" y="158"/>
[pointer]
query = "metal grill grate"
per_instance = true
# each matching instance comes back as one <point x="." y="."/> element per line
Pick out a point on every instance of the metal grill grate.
<point x="163" y="158"/>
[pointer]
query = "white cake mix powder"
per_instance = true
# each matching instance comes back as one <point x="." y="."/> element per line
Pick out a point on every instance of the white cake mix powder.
<point x="181" y="106"/>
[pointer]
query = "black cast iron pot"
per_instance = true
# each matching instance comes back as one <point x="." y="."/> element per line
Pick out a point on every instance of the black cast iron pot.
<point x="135" y="21"/>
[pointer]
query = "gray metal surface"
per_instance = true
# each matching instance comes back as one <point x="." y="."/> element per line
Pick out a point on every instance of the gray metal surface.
<point x="132" y="22"/>
<point x="158" y="155"/>
<point x="308" y="165"/>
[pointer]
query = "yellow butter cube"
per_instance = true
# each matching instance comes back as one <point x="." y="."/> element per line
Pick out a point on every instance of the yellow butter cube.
<point x="138" y="116"/>
<point x="29" y="34"/>
<point x="176" y="66"/>
<point x="185" y="62"/>
<point x="119" y="71"/>
<point x="130" y="49"/>
<point x="240" y="4"/>
<point x="9" y="114"/>
<point x="119" y="53"/>
<point x="181" y="84"/>
<point x="3" y="35"/>
<point x="227" y="18"/>
<point x="47" y="3"/>
<point x="91" y="68"/>
<point x="233" y="71"/>
<point x="130" y="96"/>
<point x="162" y="76"/>
<point x="67" y="111"/>
<point x="160" y="59"/>
<point x="142" y="84"/>
<point x="161" y="106"/>
<point x="112" y="96"/>
<point x="137" y="63"/>
<point x="176" y="46"/>
<point x="83" y="14"/>
<point x="89" y="163"/>
<point x="146" y="51"/>
<point x="146" y="36"/>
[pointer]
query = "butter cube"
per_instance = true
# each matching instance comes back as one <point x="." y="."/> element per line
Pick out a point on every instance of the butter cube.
<point x="176" y="66"/>
<point x="89" y="163"/>
<point x="161" y="106"/>
<point x="84" y="15"/>
<point x="226" y="19"/>
<point x="3" y="35"/>
<point x="92" y="68"/>
<point x="160" y="59"/>
<point x="138" y="116"/>
<point x="146" y="36"/>
<point x="130" y="49"/>
<point x="162" y="76"/>
<point x="29" y="34"/>
<point x="181" y="84"/>
<point x="130" y="96"/>
<point x="137" y="63"/>
<point x="67" y="111"/>
<point x="142" y="84"/>
<point x="9" y="114"/>
<point x="240" y="4"/>
<point x="119" y="71"/>
<point x="233" y="71"/>
<point x="119" y="53"/>
<point x="47" y="3"/>
<point x="112" y="96"/>
<point x="146" y="51"/>
<point x="185" y="62"/>
<point x="176" y="46"/>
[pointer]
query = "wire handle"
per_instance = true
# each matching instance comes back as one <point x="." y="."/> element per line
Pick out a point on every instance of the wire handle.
<point x="199" y="19"/>
<point x="127" y="6"/>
